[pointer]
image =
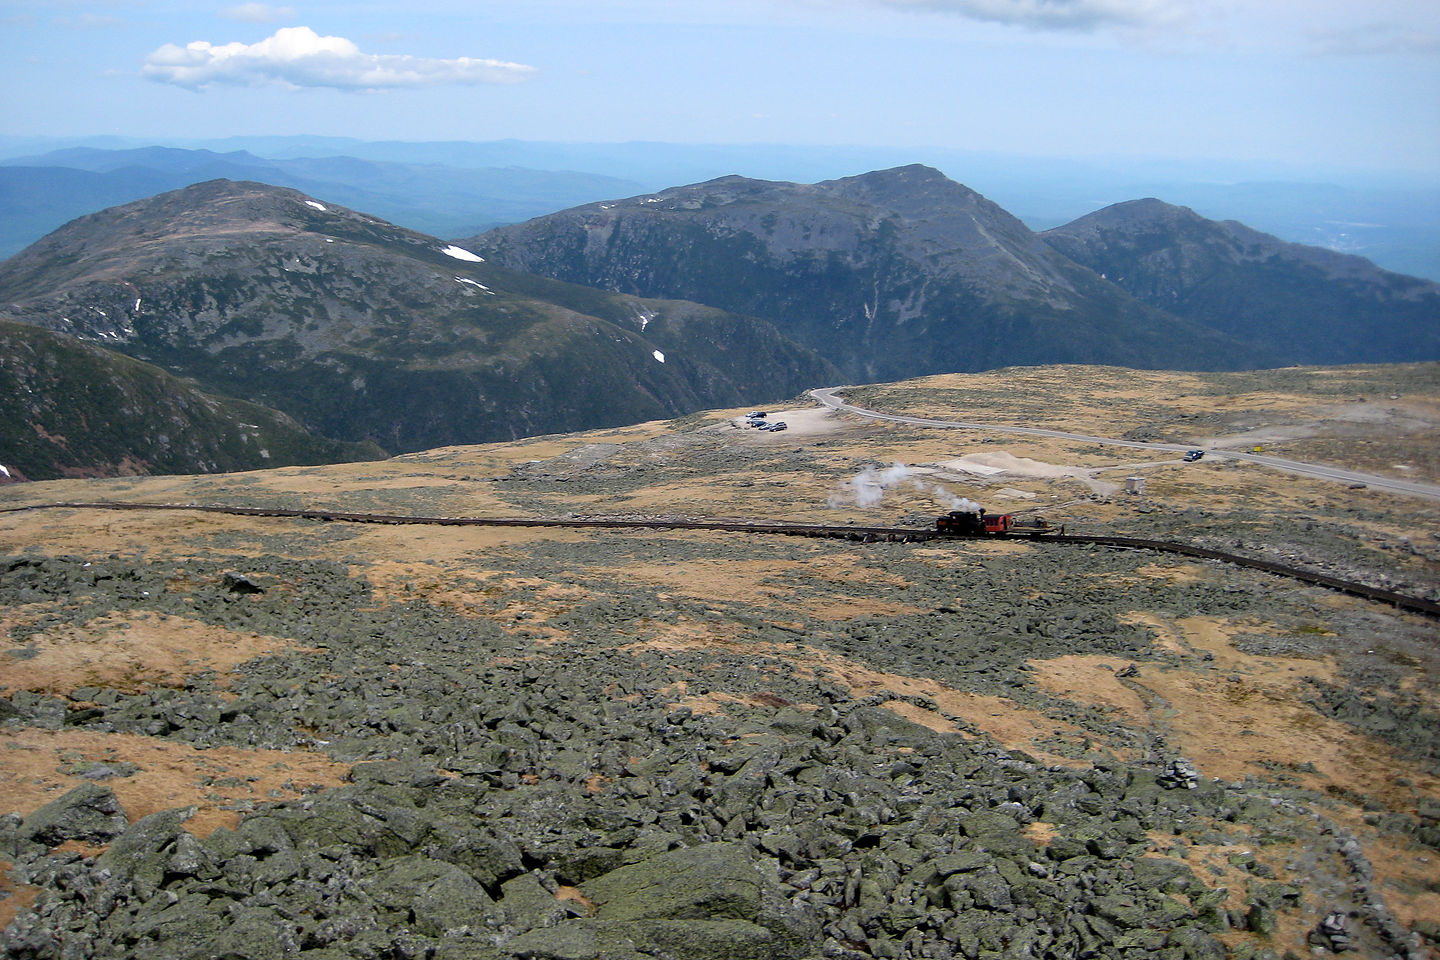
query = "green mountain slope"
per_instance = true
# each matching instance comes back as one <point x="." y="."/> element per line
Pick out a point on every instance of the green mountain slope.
<point x="70" y="408"/>
<point x="364" y="331"/>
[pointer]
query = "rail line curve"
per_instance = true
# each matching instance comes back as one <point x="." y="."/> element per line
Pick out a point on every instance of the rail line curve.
<point x="1401" y="601"/>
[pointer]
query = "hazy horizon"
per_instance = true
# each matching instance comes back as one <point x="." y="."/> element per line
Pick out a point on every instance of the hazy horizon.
<point x="1284" y="85"/>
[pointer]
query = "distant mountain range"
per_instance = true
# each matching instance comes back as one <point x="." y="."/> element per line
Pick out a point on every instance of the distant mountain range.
<point x="40" y="193"/>
<point x="903" y="272"/>
<point x="349" y="336"/>
<point x="459" y="188"/>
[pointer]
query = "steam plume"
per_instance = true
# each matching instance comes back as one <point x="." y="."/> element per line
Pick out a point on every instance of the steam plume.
<point x="867" y="488"/>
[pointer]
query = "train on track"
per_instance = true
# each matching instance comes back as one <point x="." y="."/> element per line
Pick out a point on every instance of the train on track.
<point x="955" y="524"/>
<point x="961" y="523"/>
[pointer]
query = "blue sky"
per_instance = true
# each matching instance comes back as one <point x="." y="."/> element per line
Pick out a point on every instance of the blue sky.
<point x="1309" y="82"/>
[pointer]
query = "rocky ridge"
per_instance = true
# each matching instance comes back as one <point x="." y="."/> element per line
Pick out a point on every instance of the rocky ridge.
<point x="902" y="273"/>
<point x="891" y="274"/>
<point x="1330" y="307"/>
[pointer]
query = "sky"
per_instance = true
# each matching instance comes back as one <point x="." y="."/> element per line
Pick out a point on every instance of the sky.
<point x="1291" y="82"/>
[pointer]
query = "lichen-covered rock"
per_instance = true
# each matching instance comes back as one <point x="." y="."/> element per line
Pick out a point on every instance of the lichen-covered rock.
<point x="585" y="939"/>
<point x="1162" y="873"/>
<point x="712" y="881"/>
<point x="527" y="904"/>
<point x="433" y="896"/>
<point x="141" y="855"/>
<point x="89" y="812"/>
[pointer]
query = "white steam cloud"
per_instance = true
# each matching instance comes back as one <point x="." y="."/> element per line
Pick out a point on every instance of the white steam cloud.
<point x="867" y="488"/>
<point x="299" y="57"/>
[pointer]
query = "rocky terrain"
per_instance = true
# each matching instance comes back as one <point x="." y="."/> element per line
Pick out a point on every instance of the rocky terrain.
<point x="241" y="737"/>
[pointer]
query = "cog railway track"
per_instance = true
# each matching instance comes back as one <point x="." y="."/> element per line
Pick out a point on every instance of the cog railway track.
<point x="1401" y="601"/>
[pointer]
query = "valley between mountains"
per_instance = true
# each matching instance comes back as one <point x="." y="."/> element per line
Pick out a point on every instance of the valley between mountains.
<point x="250" y="737"/>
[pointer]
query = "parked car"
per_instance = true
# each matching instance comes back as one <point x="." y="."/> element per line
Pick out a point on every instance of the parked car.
<point x="777" y="426"/>
<point x="1192" y="455"/>
<point x="756" y="415"/>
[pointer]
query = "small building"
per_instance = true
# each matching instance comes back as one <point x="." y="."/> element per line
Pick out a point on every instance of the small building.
<point x="1135" y="485"/>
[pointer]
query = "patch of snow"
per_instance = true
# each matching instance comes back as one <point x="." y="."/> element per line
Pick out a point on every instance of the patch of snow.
<point x="3" y="470"/>
<point x="644" y="318"/>
<point x="652" y="199"/>
<point x="658" y="356"/>
<point x="473" y="283"/>
<point x="460" y="253"/>
<point x="136" y="308"/>
<point x="328" y="240"/>
<point x="316" y="204"/>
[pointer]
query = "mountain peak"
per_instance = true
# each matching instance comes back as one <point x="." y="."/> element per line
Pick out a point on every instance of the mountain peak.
<point x="893" y="273"/>
<point x="910" y="174"/>
<point x="916" y="192"/>
<point x="363" y="330"/>
<point x="207" y="215"/>
<point x="1323" y="306"/>
<point x="1130" y="214"/>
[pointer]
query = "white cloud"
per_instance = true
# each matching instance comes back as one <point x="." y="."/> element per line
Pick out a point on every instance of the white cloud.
<point x="257" y="13"/>
<point x="1054" y="14"/>
<point x="299" y="57"/>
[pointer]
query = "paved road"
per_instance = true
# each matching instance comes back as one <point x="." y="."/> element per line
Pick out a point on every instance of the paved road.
<point x="827" y="396"/>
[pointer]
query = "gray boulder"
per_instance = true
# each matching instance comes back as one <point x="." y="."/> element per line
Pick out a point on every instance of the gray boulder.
<point x="710" y="882"/>
<point x="647" y="939"/>
<point x="90" y="813"/>
<point x="436" y="897"/>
